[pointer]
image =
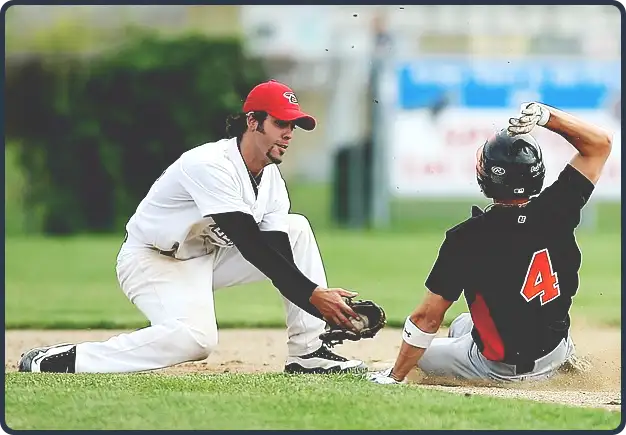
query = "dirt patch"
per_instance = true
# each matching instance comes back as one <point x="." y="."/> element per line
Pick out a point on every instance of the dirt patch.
<point x="257" y="350"/>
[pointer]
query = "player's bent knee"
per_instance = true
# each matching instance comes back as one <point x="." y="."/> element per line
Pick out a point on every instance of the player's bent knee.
<point x="462" y="319"/>
<point x="201" y="340"/>
<point x="207" y="342"/>
<point x="461" y="325"/>
<point x="298" y="223"/>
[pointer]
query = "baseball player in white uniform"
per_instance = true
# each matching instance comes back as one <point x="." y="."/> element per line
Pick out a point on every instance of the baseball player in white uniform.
<point x="217" y="217"/>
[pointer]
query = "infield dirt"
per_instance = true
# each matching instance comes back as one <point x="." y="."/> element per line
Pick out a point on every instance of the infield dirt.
<point x="264" y="350"/>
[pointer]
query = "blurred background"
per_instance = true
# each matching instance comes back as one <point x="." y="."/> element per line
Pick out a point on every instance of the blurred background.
<point x="100" y="99"/>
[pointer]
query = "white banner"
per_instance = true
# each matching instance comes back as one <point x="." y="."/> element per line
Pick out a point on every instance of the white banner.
<point x="435" y="156"/>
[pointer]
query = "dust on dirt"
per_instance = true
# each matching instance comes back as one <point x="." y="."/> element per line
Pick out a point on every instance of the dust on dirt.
<point x="265" y="350"/>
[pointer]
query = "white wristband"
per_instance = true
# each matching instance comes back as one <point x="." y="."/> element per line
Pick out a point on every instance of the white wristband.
<point x="414" y="336"/>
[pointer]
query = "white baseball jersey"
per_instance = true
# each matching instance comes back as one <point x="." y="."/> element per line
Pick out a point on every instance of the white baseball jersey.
<point x="209" y="179"/>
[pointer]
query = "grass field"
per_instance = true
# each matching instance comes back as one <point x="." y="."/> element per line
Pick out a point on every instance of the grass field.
<point x="273" y="401"/>
<point x="71" y="283"/>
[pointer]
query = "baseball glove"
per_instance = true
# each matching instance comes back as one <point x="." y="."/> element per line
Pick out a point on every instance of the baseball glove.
<point x="373" y="319"/>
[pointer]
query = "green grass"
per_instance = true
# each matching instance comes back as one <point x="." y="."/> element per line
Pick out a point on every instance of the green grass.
<point x="71" y="283"/>
<point x="432" y="215"/>
<point x="269" y="401"/>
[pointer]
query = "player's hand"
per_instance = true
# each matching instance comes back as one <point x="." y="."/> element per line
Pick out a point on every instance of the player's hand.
<point x="382" y="377"/>
<point x="330" y="302"/>
<point x="531" y="114"/>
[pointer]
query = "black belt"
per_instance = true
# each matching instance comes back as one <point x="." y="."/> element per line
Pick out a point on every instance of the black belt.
<point x="525" y="367"/>
<point x="520" y="367"/>
<point x="166" y="253"/>
<point x="171" y="253"/>
<point x="528" y="366"/>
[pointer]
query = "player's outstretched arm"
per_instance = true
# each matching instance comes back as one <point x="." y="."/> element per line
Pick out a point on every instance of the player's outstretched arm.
<point x="419" y="331"/>
<point x="420" y="328"/>
<point x="327" y="304"/>
<point x="592" y="142"/>
<point x="328" y="301"/>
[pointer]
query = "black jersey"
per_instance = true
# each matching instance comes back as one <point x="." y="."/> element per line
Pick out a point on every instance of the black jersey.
<point x="518" y="268"/>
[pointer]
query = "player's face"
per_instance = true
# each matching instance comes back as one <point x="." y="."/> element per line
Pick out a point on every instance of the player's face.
<point x="273" y="138"/>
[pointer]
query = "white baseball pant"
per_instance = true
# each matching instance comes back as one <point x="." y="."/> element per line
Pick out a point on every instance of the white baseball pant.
<point x="177" y="298"/>
<point x="458" y="356"/>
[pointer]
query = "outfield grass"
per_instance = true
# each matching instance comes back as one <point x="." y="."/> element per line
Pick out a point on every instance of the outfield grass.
<point x="71" y="283"/>
<point x="436" y="214"/>
<point x="268" y="401"/>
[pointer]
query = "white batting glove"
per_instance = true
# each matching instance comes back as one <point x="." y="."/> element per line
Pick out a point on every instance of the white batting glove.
<point x="382" y="377"/>
<point x="531" y="114"/>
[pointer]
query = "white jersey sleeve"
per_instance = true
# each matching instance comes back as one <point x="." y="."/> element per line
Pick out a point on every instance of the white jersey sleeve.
<point x="276" y="217"/>
<point x="213" y="188"/>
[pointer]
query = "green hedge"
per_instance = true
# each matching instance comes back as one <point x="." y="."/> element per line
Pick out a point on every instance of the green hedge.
<point x="96" y="132"/>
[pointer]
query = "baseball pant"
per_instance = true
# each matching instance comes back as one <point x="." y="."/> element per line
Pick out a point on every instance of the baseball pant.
<point x="177" y="298"/>
<point x="458" y="356"/>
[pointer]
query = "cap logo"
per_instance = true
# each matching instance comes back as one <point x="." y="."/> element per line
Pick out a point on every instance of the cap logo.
<point x="291" y="97"/>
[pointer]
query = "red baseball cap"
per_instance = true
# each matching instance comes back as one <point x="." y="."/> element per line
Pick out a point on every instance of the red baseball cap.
<point x="279" y="101"/>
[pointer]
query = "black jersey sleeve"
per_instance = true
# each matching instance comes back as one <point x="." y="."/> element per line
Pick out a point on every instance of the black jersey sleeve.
<point x="447" y="274"/>
<point x="271" y="254"/>
<point x="279" y="241"/>
<point x="564" y="199"/>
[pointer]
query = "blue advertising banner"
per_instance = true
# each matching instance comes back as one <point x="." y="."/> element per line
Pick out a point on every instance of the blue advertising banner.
<point x="499" y="83"/>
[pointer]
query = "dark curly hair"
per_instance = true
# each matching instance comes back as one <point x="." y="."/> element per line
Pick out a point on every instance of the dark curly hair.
<point x="237" y="124"/>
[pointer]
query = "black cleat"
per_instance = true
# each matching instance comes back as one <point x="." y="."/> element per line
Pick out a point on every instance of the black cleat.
<point x="60" y="358"/>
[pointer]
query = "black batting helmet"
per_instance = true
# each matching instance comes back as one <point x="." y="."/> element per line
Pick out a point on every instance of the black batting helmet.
<point x="510" y="167"/>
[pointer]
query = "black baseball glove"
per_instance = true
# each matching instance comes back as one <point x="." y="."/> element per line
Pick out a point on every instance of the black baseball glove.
<point x="373" y="319"/>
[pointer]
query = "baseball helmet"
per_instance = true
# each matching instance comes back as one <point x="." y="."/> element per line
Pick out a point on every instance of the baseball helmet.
<point x="510" y="167"/>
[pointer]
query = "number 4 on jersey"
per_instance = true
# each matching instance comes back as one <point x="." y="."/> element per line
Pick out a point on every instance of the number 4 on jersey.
<point x="541" y="280"/>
